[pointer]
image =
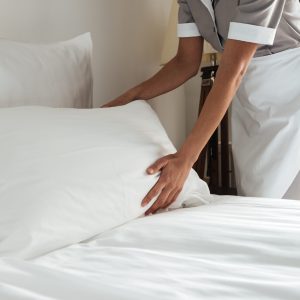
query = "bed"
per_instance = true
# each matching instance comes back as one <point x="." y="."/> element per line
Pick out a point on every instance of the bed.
<point x="233" y="248"/>
<point x="69" y="235"/>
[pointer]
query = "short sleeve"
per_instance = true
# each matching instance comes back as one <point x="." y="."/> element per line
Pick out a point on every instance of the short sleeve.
<point x="256" y="21"/>
<point x="186" y="24"/>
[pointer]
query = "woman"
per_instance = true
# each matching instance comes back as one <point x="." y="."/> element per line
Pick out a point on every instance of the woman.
<point x="260" y="41"/>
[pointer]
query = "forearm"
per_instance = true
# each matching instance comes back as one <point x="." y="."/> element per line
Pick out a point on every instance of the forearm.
<point x="171" y="76"/>
<point x="232" y="68"/>
<point x="182" y="67"/>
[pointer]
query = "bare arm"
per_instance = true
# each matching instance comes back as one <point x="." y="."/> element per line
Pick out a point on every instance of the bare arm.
<point x="234" y="64"/>
<point x="175" y="168"/>
<point x="182" y="67"/>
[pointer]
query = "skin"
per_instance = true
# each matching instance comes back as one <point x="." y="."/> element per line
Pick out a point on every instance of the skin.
<point x="174" y="168"/>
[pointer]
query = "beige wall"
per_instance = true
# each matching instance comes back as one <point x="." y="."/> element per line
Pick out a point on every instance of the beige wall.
<point x="128" y="38"/>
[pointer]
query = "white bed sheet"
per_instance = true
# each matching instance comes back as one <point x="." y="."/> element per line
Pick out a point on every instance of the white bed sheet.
<point x="233" y="248"/>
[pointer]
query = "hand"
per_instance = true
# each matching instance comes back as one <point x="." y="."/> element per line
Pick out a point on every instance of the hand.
<point x="174" y="172"/>
<point x="124" y="99"/>
<point x="116" y="102"/>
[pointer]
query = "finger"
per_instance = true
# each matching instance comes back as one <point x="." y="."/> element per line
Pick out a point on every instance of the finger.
<point x="156" y="190"/>
<point x="159" y="203"/>
<point x="106" y="105"/>
<point x="169" y="200"/>
<point x="172" y="199"/>
<point x="113" y="103"/>
<point x="158" y="165"/>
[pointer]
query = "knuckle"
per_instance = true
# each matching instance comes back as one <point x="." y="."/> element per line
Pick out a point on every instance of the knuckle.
<point x="161" y="160"/>
<point x="150" y="196"/>
<point x="155" y="205"/>
<point x="161" y="200"/>
<point x="159" y="186"/>
<point x="156" y="188"/>
<point x="172" y="186"/>
<point x="163" y="180"/>
<point x="148" y="199"/>
<point x="155" y="208"/>
<point x="155" y="165"/>
<point x="157" y="194"/>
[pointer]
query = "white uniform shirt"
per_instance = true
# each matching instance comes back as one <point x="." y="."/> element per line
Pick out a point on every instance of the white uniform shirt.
<point x="274" y="24"/>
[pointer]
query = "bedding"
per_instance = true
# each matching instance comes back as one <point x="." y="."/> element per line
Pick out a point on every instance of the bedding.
<point x="56" y="75"/>
<point x="232" y="248"/>
<point x="69" y="174"/>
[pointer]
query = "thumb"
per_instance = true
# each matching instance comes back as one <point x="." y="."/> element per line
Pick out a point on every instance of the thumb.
<point x="158" y="165"/>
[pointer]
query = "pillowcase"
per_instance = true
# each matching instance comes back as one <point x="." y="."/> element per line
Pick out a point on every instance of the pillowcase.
<point x="69" y="174"/>
<point x="57" y="75"/>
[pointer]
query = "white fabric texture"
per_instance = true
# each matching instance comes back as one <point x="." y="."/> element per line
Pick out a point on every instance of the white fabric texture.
<point x="266" y="126"/>
<point x="69" y="174"/>
<point x="234" y="248"/>
<point x="187" y="30"/>
<point x="251" y="33"/>
<point x="56" y="75"/>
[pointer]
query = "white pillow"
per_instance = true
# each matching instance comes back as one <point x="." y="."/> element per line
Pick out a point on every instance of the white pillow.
<point x="57" y="75"/>
<point x="68" y="174"/>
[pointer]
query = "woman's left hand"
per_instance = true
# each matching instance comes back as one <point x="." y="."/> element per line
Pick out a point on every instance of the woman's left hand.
<point x="174" y="170"/>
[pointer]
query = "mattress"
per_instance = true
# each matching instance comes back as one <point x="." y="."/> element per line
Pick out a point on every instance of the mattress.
<point x="232" y="248"/>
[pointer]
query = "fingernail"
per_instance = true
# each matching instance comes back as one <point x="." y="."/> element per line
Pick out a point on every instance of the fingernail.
<point x="150" y="171"/>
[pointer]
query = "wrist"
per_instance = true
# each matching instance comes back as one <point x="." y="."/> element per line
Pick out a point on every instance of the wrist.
<point x="189" y="157"/>
<point x="134" y="93"/>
